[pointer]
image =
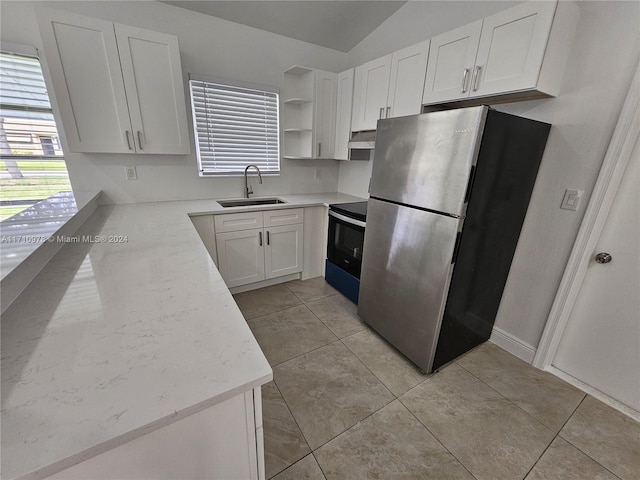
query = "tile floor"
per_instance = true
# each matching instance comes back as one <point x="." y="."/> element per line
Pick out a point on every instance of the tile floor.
<point x="344" y="404"/>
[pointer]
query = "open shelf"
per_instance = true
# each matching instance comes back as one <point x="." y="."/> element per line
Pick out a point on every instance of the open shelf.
<point x="298" y="111"/>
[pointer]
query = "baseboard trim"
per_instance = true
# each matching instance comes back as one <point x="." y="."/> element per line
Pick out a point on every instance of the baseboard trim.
<point x="264" y="283"/>
<point x="513" y="345"/>
<point x="603" y="397"/>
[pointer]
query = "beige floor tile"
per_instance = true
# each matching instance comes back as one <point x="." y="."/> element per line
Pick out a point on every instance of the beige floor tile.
<point x="339" y="314"/>
<point x="563" y="460"/>
<point x="328" y="391"/>
<point x="305" y="469"/>
<point x="312" y="289"/>
<point x="389" y="365"/>
<point x="284" y="444"/>
<point x="606" y="435"/>
<point x="542" y="395"/>
<point x="493" y="438"/>
<point x="289" y="333"/>
<point x="390" y="444"/>
<point x="265" y="300"/>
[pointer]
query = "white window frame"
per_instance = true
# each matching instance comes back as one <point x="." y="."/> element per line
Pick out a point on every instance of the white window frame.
<point x="205" y="169"/>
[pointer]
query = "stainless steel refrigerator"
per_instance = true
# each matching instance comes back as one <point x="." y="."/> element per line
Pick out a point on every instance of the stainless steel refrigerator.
<point x="449" y="193"/>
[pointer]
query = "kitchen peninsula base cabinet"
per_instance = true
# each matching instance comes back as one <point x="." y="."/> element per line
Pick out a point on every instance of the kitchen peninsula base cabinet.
<point x="257" y="246"/>
<point x="224" y="441"/>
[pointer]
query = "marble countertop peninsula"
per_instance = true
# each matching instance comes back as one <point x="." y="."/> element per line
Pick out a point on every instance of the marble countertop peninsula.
<point x="122" y="334"/>
<point x="30" y="238"/>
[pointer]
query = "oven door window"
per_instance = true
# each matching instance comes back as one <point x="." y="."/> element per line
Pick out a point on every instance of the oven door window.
<point x="345" y="245"/>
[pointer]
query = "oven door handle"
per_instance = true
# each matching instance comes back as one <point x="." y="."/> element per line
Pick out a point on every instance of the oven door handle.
<point x="346" y="219"/>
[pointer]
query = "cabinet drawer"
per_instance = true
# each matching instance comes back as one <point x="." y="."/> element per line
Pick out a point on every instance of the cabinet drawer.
<point x="290" y="216"/>
<point x="233" y="222"/>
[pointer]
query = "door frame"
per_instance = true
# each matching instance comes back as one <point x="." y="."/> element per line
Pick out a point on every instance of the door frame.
<point x="625" y="136"/>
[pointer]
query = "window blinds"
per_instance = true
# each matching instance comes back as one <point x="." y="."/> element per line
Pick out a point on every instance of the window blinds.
<point x="27" y="118"/>
<point x="235" y="126"/>
<point x="31" y="160"/>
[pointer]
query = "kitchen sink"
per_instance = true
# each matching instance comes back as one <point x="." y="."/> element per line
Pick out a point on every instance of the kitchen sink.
<point x="247" y="202"/>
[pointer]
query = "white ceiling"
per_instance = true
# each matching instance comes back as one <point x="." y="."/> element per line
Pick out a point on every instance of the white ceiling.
<point x="335" y="24"/>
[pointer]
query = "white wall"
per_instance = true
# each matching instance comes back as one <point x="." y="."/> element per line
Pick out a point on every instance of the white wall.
<point x="208" y="46"/>
<point x="603" y="58"/>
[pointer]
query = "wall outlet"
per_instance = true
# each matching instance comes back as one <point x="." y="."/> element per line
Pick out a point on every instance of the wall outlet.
<point x="130" y="172"/>
<point x="317" y="173"/>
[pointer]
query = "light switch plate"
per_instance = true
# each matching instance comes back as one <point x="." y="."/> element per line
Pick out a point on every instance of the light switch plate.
<point x="571" y="199"/>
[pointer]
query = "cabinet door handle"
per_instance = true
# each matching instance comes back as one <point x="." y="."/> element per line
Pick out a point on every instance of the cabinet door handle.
<point x="126" y="132"/>
<point x="260" y="238"/>
<point x="465" y="74"/>
<point x="140" y="139"/>
<point x="319" y="148"/>
<point x="476" y="78"/>
<point x="381" y="112"/>
<point x="388" y="112"/>
<point x="268" y="239"/>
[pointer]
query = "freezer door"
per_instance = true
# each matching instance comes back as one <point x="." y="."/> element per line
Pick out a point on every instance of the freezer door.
<point x="425" y="160"/>
<point x="405" y="275"/>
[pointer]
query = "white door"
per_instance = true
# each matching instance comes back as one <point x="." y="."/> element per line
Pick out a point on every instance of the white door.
<point x="512" y="47"/>
<point x="82" y="56"/>
<point x="283" y="250"/>
<point x="325" y="115"/>
<point x="601" y="343"/>
<point x="452" y="57"/>
<point x="155" y="92"/>
<point x="592" y="336"/>
<point x="241" y="256"/>
<point x="343" y="116"/>
<point x="408" y="69"/>
<point x="370" y="90"/>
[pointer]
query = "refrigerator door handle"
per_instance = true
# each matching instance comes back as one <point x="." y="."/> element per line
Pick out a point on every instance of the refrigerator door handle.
<point x="472" y="175"/>
<point x="456" y="248"/>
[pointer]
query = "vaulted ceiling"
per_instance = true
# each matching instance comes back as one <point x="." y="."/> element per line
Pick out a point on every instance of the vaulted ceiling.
<point x="335" y="24"/>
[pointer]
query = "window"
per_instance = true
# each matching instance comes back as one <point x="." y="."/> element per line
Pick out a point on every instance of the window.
<point x="32" y="167"/>
<point x="235" y="126"/>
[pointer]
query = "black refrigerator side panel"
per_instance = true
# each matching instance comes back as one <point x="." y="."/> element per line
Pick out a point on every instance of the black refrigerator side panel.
<point x="506" y="170"/>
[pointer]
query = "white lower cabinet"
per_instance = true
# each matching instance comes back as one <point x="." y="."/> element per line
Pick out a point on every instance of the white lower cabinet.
<point x="283" y="250"/>
<point x="222" y="441"/>
<point x="241" y="256"/>
<point x="247" y="254"/>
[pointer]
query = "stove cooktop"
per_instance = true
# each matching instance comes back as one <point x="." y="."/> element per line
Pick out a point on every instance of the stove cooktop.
<point x="357" y="210"/>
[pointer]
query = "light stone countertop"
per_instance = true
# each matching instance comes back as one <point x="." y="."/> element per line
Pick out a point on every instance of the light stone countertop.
<point x="114" y="340"/>
<point x="33" y="226"/>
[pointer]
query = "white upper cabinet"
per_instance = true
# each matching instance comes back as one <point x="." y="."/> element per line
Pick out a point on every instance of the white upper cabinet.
<point x="309" y="113"/>
<point x="325" y="113"/>
<point x="452" y="56"/>
<point x="518" y="53"/>
<point x="371" y="87"/>
<point x="408" y="68"/>
<point x="119" y="89"/>
<point x="153" y="81"/>
<point x="87" y="81"/>
<point x="343" y="114"/>
<point x="390" y="86"/>
<point x="511" y="48"/>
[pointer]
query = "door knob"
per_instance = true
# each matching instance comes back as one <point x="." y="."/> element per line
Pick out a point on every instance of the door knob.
<point x="603" y="257"/>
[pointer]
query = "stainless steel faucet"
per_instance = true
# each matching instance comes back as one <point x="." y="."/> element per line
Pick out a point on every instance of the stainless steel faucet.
<point x="247" y="188"/>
